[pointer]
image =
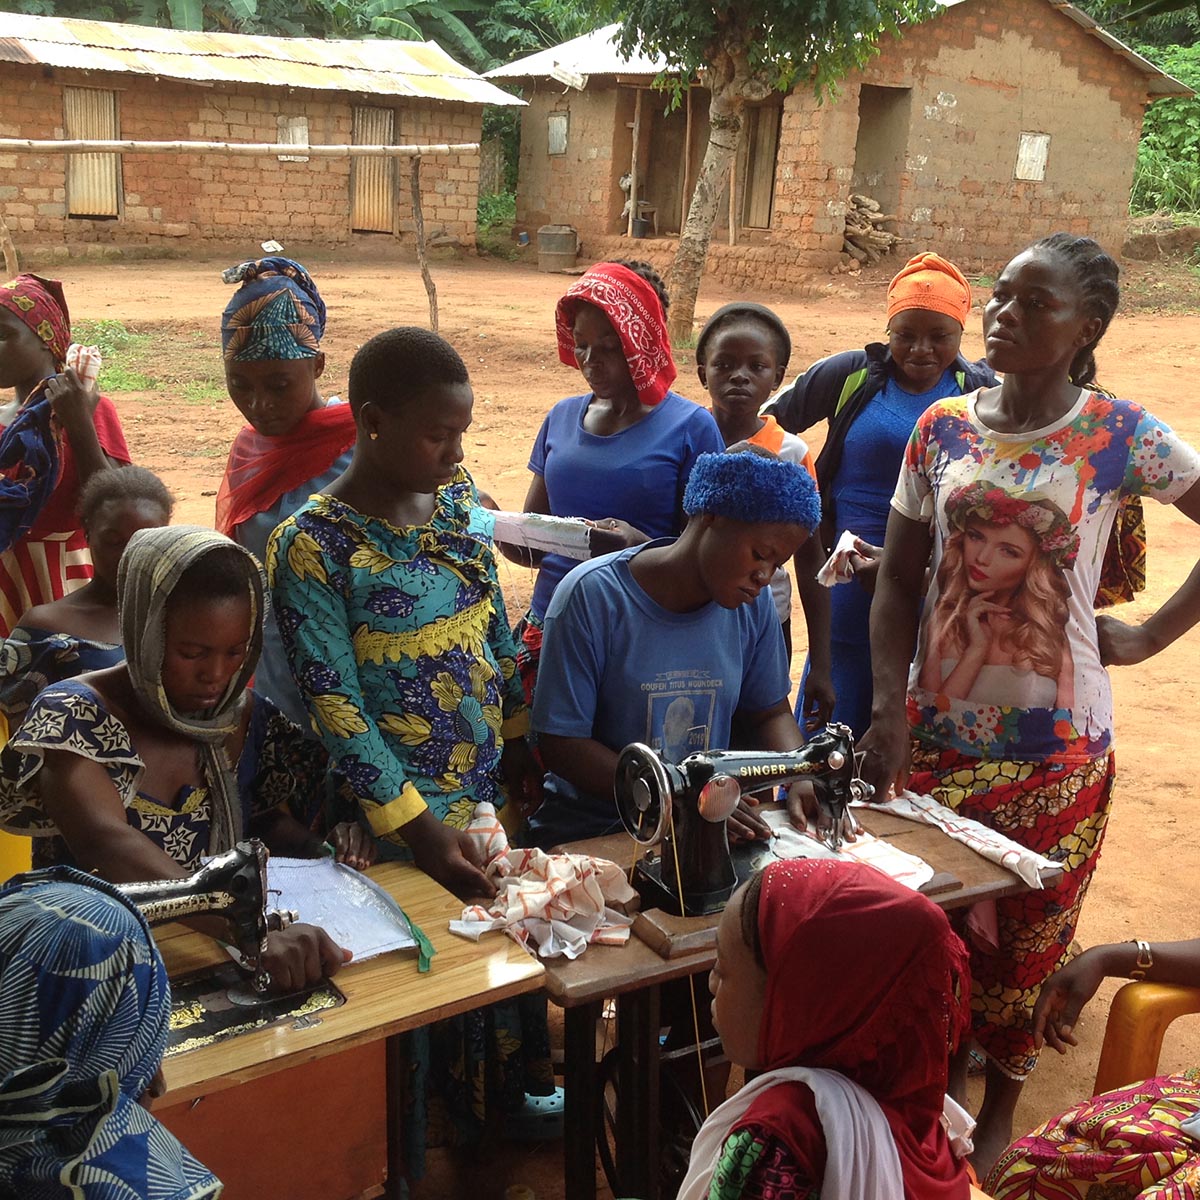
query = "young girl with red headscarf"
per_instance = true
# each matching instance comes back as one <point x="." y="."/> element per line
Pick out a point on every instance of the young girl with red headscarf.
<point x="63" y="433"/>
<point x="621" y="453"/>
<point x="847" y="991"/>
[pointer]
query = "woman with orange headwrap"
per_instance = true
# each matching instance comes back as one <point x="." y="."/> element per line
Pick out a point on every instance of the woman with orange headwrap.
<point x="45" y="553"/>
<point x="872" y="399"/>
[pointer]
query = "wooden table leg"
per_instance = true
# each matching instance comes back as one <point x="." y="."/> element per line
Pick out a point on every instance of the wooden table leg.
<point x="637" y="1150"/>
<point x="395" y="1064"/>
<point x="582" y="1107"/>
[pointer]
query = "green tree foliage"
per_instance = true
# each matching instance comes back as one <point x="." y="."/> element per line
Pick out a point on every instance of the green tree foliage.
<point x="1167" y="175"/>
<point x="742" y="51"/>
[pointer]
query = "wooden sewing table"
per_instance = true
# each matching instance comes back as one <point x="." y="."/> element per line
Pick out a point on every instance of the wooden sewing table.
<point x="634" y="973"/>
<point x="314" y="1111"/>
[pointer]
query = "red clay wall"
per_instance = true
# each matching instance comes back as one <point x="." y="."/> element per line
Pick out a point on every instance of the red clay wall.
<point x="981" y="73"/>
<point x="223" y="198"/>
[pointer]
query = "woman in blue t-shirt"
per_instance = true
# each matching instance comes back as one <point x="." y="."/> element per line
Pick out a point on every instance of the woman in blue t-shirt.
<point x="620" y="454"/>
<point x="872" y="399"/>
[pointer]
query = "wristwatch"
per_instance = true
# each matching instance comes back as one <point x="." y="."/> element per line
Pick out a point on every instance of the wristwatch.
<point x="1145" y="960"/>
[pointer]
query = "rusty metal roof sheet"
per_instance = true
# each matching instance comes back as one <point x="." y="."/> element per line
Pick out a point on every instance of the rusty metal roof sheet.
<point x="381" y="66"/>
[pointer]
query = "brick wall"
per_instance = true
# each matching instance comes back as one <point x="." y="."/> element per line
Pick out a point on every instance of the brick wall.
<point x="220" y="197"/>
<point x="579" y="187"/>
<point x="978" y="75"/>
<point x="981" y="73"/>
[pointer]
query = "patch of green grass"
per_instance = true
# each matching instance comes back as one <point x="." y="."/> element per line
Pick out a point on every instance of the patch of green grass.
<point x="123" y="354"/>
<point x="204" y="391"/>
<point x="494" y="219"/>
<point x="983" y="281"/>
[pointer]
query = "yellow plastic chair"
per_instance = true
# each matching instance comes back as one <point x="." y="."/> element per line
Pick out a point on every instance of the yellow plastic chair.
<point x="1133" y="1037"/>
<point x="15" y="852"/>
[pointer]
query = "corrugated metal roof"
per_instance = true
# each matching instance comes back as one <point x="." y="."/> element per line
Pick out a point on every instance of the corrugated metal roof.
<point x="380" y="66"/>
<point x="596" y="54"/>
<point x="592" y="54"/>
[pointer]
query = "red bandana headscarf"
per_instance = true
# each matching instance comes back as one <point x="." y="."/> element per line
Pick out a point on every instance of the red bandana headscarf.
<point x="633" y="309"/>
<point x="40" y="304"/>
<point x="864" y="977"/>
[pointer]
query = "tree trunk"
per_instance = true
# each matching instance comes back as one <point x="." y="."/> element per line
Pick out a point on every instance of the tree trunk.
<point x="725" y="131"/>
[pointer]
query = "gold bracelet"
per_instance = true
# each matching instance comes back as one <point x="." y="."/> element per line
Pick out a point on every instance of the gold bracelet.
<point x="1145" y="960"/>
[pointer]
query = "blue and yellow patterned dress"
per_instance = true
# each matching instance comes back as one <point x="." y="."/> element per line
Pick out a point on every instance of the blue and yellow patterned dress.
<point x="400" y="643"/>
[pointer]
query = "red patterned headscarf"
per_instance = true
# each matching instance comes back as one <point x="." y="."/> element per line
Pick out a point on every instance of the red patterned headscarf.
<point x="40" y="304"/>
<point x="633" y="309"/>
<point x="864" y="977"/>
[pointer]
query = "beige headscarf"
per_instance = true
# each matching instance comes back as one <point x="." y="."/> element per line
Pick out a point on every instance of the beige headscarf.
<point x="150" y="569"/>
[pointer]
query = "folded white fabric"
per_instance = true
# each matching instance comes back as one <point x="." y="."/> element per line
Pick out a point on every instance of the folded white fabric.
<point x="85" y="362"/>
<point x="789" y="842"/>
<point x="554" y="903"/>
<point x="837" y="567"/>
<point x="995" y="847"/>
<point x="568" y="536"/>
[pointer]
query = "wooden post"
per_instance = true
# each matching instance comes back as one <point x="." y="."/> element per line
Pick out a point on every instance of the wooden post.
<point x="633" y="165"/>
<point x="419" y="231"/>
<point x="11" y="266"/>
<point x="687" y="162"/>
<point x="733" y="200"/>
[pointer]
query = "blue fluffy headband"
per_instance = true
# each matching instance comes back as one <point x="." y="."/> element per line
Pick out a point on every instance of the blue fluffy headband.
<point x="752" y="487"/>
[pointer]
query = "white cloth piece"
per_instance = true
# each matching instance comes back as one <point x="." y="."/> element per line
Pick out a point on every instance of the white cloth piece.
<point x="861" y="1160"/>
<point x="85" y="362"/>
<point x="995" y="847"/>
<point x="959" y="1126"/>
<point x="837" y="567"/>
<point x="554" y="903"/>
<point x="568" y="536"/>
<point x="789" y="842"/>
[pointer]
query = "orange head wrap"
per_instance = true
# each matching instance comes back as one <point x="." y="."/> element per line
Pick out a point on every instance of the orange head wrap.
<point x="930" y="281"/>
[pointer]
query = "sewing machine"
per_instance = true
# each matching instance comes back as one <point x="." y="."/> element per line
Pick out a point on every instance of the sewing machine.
<point x="231" y="885"/>
<point x="685" y="807"/>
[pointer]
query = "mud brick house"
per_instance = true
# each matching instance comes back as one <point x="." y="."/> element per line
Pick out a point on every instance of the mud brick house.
<point x="991" y="123"/>
<point x="91" y="79"/>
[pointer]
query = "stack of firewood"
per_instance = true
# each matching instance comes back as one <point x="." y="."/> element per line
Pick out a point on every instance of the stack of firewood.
<point x="865" y="240"/>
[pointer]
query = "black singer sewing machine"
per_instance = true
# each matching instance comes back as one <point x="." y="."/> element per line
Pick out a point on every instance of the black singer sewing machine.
<point x="232" y="885"/>
<point x="684" y="807"/>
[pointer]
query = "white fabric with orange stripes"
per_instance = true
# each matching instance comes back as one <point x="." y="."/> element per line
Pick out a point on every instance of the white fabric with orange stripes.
<point x="554" y="903"/>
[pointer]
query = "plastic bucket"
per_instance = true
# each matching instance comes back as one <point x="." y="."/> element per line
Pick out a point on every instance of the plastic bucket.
<point x="558" y="247"/>
<point x="641" y="227"/>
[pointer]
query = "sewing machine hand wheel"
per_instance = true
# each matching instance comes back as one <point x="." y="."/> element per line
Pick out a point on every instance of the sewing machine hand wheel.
<point x="643" y="793"/>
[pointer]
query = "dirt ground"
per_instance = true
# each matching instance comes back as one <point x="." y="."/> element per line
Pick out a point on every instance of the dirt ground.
<point x="500" y="317"/>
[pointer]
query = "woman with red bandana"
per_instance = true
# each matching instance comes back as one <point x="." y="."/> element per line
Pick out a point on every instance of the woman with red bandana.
<point x="62" y="433"/>
<point x="619" y="454"/>
<point x="846" y="992"/>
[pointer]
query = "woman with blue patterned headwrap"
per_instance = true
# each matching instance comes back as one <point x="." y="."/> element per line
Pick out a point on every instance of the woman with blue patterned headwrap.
<point x="296" y="443"/>
<point x="84" y="1010"/>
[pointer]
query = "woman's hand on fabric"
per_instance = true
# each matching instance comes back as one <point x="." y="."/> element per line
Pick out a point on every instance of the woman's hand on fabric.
<point x="885" y="750"/>
<point x="819" y="699"/>
<point x="71" y="400"/>
<point x="807" y="815"/>
<point x="300" y="956"/>
<point x="864" y="562"/>
<point x="353" y="845"/>
<point x="1062" y="999"/>
<point x="1123" y="645"/>
<point x="745" y="825"/>
<point x="523" y="776"/>
<point x="448" y="856"/>
<point x="611" y="533"/>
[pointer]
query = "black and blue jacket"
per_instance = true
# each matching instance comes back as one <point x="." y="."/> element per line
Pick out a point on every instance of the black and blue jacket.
<point x="836" y="389"/>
